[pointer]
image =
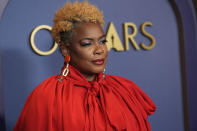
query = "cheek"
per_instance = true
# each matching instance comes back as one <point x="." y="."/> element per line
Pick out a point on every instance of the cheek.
<point x="106" y="51"/>
<point x="82" y="54"/>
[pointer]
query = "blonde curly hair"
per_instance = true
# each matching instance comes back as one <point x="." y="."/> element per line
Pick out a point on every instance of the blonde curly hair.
<point x="70" y="14"/>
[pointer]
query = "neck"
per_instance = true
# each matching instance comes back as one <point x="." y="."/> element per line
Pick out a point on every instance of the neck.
<point x="89" y="77"/>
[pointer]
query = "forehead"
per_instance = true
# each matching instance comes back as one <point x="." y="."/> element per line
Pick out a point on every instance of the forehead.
<point x="92" y="30"/>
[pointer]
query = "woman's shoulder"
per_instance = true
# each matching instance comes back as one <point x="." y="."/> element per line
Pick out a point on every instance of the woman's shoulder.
<point x="44" y="93"/>
<point x="128" y="88"/>
<point x="38" y="105"/>
<point x="47" y="89"/>
<point x="46" y="84"/>
<point x="43" y="89"/>
<point x="125" y="84"/>
<point x="120" y="80"/>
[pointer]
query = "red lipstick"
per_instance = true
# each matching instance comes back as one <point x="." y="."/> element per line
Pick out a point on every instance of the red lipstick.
<point x="98" y="61"/>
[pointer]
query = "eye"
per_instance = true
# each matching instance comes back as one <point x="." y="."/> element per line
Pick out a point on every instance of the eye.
<point x="103" y="41"/>
<point x="85" y="43"/>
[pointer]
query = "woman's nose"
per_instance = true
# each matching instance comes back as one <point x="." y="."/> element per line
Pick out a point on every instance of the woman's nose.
<point x="99" y="49"/>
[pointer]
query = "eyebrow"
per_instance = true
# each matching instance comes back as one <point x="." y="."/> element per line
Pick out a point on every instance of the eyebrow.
<point x="93" y="39"/>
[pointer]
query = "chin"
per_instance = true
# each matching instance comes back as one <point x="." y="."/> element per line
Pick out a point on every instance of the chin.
<point x="98" y="70"/>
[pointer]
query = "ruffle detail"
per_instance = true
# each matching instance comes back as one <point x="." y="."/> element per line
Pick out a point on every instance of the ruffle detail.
<point x="109" y="103"/>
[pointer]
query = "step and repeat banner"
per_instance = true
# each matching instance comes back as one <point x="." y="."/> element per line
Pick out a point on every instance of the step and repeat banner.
<point x="143" y="44"/>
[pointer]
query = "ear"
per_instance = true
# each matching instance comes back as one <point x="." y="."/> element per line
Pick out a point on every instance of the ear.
<point x="64" y="50"/>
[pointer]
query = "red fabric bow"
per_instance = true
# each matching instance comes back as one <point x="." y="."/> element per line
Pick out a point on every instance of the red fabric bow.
<point x="72" y="103"/>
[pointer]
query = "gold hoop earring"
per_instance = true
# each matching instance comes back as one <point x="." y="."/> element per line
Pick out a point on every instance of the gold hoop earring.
<point x="66" y="70"/>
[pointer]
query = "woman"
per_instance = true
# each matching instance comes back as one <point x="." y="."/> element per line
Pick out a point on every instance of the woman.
<point x="82" y="97"/>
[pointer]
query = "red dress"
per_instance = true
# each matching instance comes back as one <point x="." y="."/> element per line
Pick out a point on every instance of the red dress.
<point x="109" y="103"/>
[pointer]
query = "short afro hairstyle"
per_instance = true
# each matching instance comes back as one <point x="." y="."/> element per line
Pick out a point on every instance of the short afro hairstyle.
<point x="70" y="14"/>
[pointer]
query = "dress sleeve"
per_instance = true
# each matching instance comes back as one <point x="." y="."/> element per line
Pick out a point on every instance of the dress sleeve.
<point x="36" y="114"/>
<point x="145" y="101"/>
<point x="136" y="95"/>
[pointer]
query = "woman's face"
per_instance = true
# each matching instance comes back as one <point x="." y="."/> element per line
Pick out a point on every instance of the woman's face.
<point x="88" y="50"/>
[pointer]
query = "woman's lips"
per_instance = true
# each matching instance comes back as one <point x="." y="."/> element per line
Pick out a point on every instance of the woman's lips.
<point x="98" y="61"/>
